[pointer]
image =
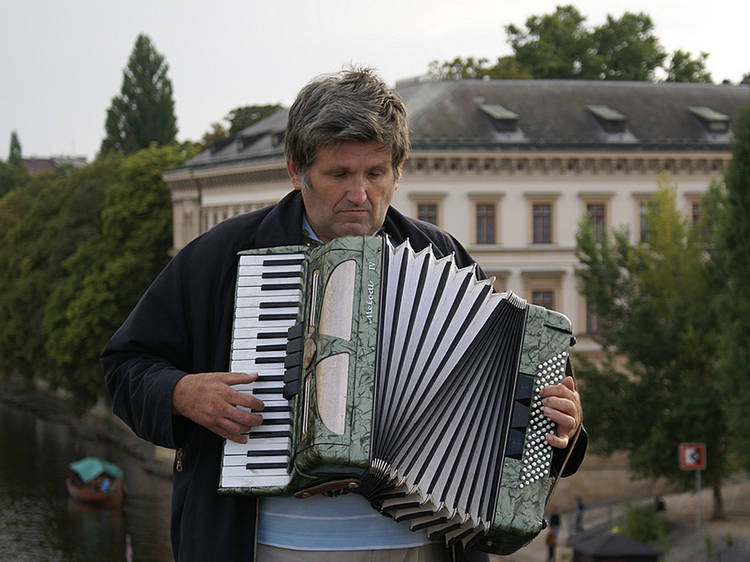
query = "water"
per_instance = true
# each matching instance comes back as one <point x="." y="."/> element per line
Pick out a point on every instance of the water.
<point x="38" y="520"/>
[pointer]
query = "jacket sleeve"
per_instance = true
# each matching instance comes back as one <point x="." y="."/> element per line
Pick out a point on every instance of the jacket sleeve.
<point x="140" y="362"/>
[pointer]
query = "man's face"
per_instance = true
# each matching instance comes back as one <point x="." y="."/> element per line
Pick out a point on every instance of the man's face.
<point x="351" y="185"/>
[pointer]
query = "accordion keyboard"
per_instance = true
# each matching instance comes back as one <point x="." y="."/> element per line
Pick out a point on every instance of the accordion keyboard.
<point x="267" y="303"/>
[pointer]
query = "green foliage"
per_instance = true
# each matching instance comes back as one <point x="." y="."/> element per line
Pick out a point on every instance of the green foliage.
<point x="242" y="117"/>
<point x="729" y="216"/>
<point x="645" y="525"/>
<point x="626" y="48"/>
<point x="12" y="177"/>
<point x="745" y="79"/>
<point x="75" y="255"/>
<point x="144" y="111"/>
<point x="560" y="45"/>
<point x="655" y="386"/>
<point x="15" y="157"/>
<point x="683" y="68"/>
<point x="506" y="68"/>
<point x="554" y="45"/>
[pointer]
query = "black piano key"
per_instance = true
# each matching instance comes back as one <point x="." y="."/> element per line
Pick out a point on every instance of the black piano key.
<point x="286" y="304"/>
<point x="270" y="378"/>
<point x="281" y="275"/>
<point x="271" y="335"/>
<point x="264" y="391"/>
<point x="296" y="331"/>
<point x="281" y="287"/>
<point x="276" y="347"/>
<point x="272" y="262"/>
<point x="520" y="417"/>
<point x="276" y="421"/>
<point x="524" y="388"/>
<point x="514" y="447"/>
<point x="270" y="317"/>
<point x="268" y="453"/>
<point x="267" y="434"/>
<point x="260" y="465"/>
<point x="276" y="409"/>
<point x="268" y="360"/>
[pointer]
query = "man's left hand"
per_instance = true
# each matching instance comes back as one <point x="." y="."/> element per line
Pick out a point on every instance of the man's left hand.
<point x="562" y="404"/>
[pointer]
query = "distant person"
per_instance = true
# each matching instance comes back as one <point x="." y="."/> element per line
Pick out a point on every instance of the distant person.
<point x="551" y="541"/>
<point x="580" y="507"/>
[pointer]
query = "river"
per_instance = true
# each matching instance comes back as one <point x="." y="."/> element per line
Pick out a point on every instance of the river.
<point x="39" y="522"/>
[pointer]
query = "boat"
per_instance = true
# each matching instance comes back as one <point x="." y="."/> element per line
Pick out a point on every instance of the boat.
<point x="96" y="482"/>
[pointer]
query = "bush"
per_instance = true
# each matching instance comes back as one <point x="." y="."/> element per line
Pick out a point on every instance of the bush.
<point x="645" y="525"/>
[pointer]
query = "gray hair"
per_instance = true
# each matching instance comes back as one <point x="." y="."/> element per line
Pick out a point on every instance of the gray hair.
<point x="354" y="104"/>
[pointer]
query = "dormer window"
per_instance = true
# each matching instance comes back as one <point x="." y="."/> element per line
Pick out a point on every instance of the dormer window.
<point x="713" y="121"/>
<point x="610" y="120"/>
<point x="503" y="119"/>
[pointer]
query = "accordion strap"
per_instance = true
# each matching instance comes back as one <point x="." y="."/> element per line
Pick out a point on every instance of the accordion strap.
<point x="571" y="444"/>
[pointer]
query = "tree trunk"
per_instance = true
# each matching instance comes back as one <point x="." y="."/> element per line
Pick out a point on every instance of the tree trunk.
<point x="718" y="503"/>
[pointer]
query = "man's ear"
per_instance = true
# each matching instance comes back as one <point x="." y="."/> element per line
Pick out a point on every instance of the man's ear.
<point x="294" y="175"/>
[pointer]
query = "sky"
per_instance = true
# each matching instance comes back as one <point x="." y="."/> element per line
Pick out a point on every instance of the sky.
<point x="62" y="62"/>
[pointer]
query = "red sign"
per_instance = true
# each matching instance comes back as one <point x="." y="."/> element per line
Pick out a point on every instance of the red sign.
<point x="692" y="456"/>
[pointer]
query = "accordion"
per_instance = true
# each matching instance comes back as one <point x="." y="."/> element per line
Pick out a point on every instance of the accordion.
<point x="396" y="375"/>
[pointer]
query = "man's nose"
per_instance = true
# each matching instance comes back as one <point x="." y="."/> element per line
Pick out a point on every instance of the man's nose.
<point x="357" y="192"/>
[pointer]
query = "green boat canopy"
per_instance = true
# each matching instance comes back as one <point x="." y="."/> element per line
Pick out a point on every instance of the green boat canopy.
<point x="91" y="467"/>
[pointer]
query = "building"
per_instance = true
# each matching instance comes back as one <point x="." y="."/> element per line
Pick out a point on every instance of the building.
<point x="508" y="167"/>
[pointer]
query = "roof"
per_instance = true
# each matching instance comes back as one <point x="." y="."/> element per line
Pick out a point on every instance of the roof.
<point x="505" y="115"/>
<point x="90" y="467"/>
<point x="613" y="544"/>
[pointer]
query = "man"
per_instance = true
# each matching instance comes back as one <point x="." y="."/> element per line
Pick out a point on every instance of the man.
<point x="165" y="368"/>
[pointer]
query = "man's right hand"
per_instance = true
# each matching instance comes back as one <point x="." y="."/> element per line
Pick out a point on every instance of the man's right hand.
<point x="209" y="400"/>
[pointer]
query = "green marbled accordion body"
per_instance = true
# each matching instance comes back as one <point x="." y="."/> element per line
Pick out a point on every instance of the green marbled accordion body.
<point x="415" y="384"/>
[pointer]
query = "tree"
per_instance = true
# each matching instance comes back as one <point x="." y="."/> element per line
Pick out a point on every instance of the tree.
<point x="730" y="259"/>
<point x="109" y="270"/>
<point x="143" y="113"/>
<point x="217" y="133"/>
<point x="683" y="68"/>
<point x="653" y="303"/>
<point x="745" y="79"/>
<point x="15" y="158"/>
<point x="626" y="48"/>
<point x="506" y="68"/>
<point x="554" y="45"/>
<point x="242" y="117"/>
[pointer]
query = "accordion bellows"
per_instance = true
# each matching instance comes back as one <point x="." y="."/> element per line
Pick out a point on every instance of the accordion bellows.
<point x="415" y="384"/>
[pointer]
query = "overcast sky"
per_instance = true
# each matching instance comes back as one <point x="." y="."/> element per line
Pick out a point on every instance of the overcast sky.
<point x="62" y="62"/>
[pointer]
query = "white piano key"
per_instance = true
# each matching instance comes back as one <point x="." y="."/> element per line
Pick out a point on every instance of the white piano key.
<point x="268" y="444"/>
<point x="253" y="343"/>
<point x="255" y="281"/>
<point x="263" y="428"/>
<point x="252" y="353"/>
<point x="243" y="460"/>
<point x="248" y="290"/>
<point x="250" y="312"/>
<point x="259" y="270"/>
<point x="254" y="482"/>
<point x="259" y="259"/>
<point x="263" y="324"/>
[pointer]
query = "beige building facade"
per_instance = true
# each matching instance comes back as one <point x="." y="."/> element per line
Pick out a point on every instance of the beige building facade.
<point x="509" y="168"/>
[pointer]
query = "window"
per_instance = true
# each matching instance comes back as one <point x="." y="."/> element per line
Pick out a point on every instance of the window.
<point x="485" y="223"/>
<point x="542" y="218"/>
<point x="543" y="297"/>
<point x="592" y="321"/>
<point x="427" y="206"/>
<point x="644" y="220"/>
<point x="427" y="212"/>
<point x="596" y="212"/>
<point x="696" y="214"/>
